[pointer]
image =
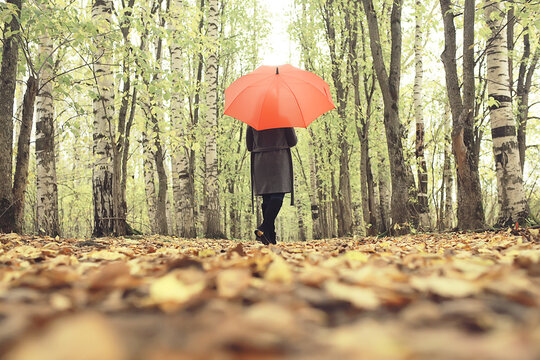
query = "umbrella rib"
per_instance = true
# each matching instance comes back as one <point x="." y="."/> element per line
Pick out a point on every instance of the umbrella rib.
<point x="316" y="86"/>
<point x="295" y="99"/>
<point x="264" y="99"/>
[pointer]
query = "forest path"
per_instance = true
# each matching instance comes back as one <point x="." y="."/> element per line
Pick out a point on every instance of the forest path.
<point x="439" y="296"/>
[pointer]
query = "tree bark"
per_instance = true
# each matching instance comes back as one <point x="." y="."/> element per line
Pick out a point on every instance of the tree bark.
<point x="211" y="199"/>
<point x="403" y="188"/>
<point x="512" y="201"/>
<point x="384" y="195"/>
<point x="182" y="186"/>
<point x="103" y="178"/>
<point x="423" y="209"/>
<point x="8" y="77"/>
<point x="448" y="182"/>
<point x="344" y="204"/>
<point x="314" y="193"/>
<point x="124" y="124"/>
<point x="47" y="222"/>
<point x="20" y="180"/>
<point x="299" y="212"/>
<point x="524" y="82"/>
<point x="470" y="211"/>
<point x="149" y="182"/>
<point x="362" y="121"/>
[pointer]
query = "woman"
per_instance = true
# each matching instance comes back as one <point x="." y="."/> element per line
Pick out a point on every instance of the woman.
<point x="271" y="174"/>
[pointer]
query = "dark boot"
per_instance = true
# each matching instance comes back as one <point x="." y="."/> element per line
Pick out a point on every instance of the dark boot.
<point x="271" y="207"/>
<point x="260" y="236"/>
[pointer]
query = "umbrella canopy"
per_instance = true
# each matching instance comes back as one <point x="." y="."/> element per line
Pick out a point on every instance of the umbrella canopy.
<point x="278" y="96"/>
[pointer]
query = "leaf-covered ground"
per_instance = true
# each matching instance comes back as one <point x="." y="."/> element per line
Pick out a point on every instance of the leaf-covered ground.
<point x="446" y="296"/>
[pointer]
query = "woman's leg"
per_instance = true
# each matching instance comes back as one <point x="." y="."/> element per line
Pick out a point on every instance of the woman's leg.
<point x="271" y="207"/>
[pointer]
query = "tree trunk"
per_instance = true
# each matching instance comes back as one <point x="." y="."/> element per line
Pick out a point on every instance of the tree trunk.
<point x="149" y="182"/>
<point x="523" y="89"/>
<point x="155" y="102"/>
<point x="448" y="183"/>
<point x="384" y="195"/>
<point x="47" y="222"/>
<point x="423" y="209"/>
<point x="182" y="186"/>
<point x="403" y="187"/>
<point x="20" y="180"/>
<point x="512" y="201"/>
<point x="124" y="122"/>
<point x="363" y="118"/>
<point x="161" y="205"/>
<point x="299" y="212"/>
<point x="211" y="199"/>
<point x="8" y="77"/>
<point x="470" y="211"/>
<point x="343" y="196"/>
<point x="103" y="178"/>
<point x="316" y="217"/>
<point x="345" y="218"/>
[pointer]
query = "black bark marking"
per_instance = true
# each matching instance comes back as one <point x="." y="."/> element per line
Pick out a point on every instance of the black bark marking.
<point x="503" y="131"/>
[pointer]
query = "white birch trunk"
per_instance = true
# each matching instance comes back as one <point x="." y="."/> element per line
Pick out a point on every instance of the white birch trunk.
<point x="182" y="189"/>
<point x="512" y="201"/>
<point x="149" y="182"/>
<point x="47" y="192"/>
<point x="423" y="211"/>
<point x="104" y="129"/>
<point x="448" y="211"/>
<point x="211" y="195"/>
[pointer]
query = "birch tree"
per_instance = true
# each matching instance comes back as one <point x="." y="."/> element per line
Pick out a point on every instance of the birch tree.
<point x="211" y="194"/>
<point x="104" y="131"/>
<point x="512" y="201"/>
<point x="47" y="222"/>
<point x="182" y="186"/>
<point x="423" y="210"/>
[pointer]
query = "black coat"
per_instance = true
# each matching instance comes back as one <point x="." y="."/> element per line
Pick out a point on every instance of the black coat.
<point x="271" y="160"/>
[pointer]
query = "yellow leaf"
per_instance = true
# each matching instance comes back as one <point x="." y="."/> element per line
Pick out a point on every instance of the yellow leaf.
<point x="230" y="283"/>
<point x="445" y="286"/>
<point x="106" y="255"/>
<point x="356" y="256"/>
<point x="207" y="253"/>
<point x="172" y="292"/>
<point x="362" y="298"/>
<point x="279" y="271"/>
<point x="84" y="336"/>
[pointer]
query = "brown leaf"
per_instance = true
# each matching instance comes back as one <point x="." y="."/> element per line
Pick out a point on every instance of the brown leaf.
<point x="362" y="298"/>
<point x="83" y="337"/>
<point x="231" y="282"/>
<point x="112" y="275"/>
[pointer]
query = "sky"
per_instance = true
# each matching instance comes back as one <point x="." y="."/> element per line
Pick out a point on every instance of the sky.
<point x="280" y="50"/>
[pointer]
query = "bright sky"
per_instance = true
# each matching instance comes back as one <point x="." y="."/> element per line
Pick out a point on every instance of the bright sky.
<point x="280" y="50"/>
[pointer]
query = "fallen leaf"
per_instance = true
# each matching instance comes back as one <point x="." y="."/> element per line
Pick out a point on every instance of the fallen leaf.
<point x="231" y="282"/>
<point x="362" y="298"/>
<point x="82" y="337"/>
<point x="279" y="272"/>
<point x="169" y="292"/>
<point x="445" y="286"/>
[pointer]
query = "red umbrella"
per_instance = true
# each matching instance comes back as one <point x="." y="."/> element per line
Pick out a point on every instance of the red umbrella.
<point x="278" y="96"/>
